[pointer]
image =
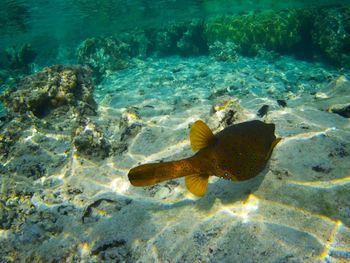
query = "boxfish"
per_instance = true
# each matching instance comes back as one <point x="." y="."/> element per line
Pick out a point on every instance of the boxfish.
<point x="239" y="152"/>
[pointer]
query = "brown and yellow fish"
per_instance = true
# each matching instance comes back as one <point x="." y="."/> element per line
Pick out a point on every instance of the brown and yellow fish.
<point x="238" y="152"/>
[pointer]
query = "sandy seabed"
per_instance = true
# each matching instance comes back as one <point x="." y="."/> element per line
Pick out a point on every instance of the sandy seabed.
<point x="296" y="210"/>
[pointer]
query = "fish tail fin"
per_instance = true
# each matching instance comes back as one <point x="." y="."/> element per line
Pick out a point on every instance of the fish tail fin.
<point x="153" y="173"/>
<point x="197" y="184"/>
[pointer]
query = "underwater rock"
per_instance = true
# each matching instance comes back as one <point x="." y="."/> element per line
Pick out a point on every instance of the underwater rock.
<point x="28" y="152"/>
<point x="104" y="54"/>
<point x="137" y="41"/>
<point x="332" y="34"/>
<point x="35" y="143"/>
<point x="130" y="124"/>
<point x="112" y="251"/>
<point x="228" y="112"/>
<point x="334" y="97"/>
<point x="16" y="63"/>
<point x="55" y="87"/>
<point x="130" y="131"/>
<point x="20" y="58"/>
<point x="341" y="109"/>
<point x="192" y="42"/>
<point x="90" y="141"/>
<point x="33" y="161"/>
<point x="102" y="207"/>
<point x="10" y="133"/>
<point x="15" y="199"/>
<point x="14" y="210"/>
<point x="269" y="30"/>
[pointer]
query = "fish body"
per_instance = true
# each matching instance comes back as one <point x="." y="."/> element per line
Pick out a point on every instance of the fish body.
<point x="239" y="152"/>
<point x="263" y="111"/>
<point x="282" y="103"/>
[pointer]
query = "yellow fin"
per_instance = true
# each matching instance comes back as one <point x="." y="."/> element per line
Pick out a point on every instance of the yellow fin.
<point x="197" y="184"/>
<point x="200" y="135"/>
<point x="277" y="140"/>
<point x="274" y="143"/>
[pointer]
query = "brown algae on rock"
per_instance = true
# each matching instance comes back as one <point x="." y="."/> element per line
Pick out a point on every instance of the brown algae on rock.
<point x="54" y="87"/>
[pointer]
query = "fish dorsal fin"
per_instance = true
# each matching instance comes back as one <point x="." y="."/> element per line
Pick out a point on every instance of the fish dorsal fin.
<point x="197" y="184"/>
<point x="200" y="135"/>
<point x="274" y="143"/>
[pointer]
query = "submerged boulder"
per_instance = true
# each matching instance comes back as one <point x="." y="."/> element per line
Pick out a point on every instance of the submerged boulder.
<point x="55" y="88"/>
<point x="90" y="141"/>
<point x="20" y="57"/>
<point x="43" y="111"/>
<point x="341" y="109"/>
<point x="104" y="54"/>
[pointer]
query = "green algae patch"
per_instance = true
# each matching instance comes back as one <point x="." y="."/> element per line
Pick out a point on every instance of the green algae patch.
<point x="270" y="30"/>
<point x="332" y="34"/>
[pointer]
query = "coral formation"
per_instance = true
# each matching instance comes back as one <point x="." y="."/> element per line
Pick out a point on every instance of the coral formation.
<point x="89" y="141"/>
<point x="137" y="41"/>
<point x="55" y="88"/>
<point x="51" y="101"/>
<point x="111" y="54"/>
<point x="104" y="54"/>
<point x="301" y="32"/>
<point x="332" y="34"/>
<point x="14" y="198"/>
<point x="45" y="112"/>
<point x="20" y="58"/>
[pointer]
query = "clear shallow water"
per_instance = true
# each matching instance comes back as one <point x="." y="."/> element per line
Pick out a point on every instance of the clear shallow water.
<point x="68" y="22"/>
<point x="70" y="134"/>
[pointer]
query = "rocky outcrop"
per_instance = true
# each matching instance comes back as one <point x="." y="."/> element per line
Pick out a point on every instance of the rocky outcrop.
<point x="55" y="90"/>
<point x="104" y="54"/>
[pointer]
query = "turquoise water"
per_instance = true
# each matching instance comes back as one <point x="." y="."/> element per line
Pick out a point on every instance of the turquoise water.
<point x="91" y="89"/>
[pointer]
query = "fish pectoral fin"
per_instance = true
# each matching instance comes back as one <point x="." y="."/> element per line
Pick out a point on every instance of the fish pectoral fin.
<point x="200" y="135"/>
<point x="197" y="184"/>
